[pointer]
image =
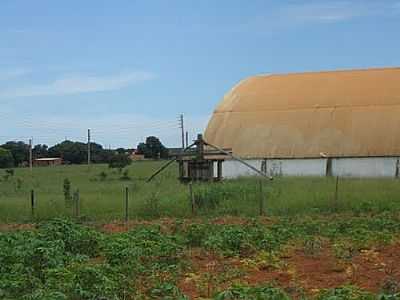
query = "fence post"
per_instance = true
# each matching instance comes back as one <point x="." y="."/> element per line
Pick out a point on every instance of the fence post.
<point x="336" y="193"/>
<point x="77" y="203"/>
<point x="192" y="198"/>
<point x="126" y="204"/>
<point x="33" y="204"/>
<point x="261" y="200"/>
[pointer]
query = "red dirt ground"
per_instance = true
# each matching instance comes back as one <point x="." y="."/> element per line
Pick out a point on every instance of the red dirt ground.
<point x="299" y="272"/>
<point x="14" y="227"/>
<point x="167" y="224"/>
<point x="370" y="269"/>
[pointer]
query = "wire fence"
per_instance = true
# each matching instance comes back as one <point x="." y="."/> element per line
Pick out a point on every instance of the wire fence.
<point x="93" y="196"/>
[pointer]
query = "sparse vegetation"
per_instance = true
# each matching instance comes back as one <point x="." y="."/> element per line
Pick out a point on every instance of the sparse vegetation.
<point x="60" y="259"/>
<point x="67" y="190"/>
<point x="103" y="192"/>
<point x="196" y="257"/>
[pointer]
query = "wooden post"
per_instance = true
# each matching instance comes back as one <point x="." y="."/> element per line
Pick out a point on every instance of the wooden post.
<point x="219" y="170"/>
<point x="126" y="204"/>
<point x="33" y="203"/>
<point x="77" y="204"/>
<point x="200" y="146"/>
<point x="30" y="155"/>
<point x="336" y="193"/>
<point x="88" y="149"/>
<point x="261" y="204"/>
<point x="192" y="198"/>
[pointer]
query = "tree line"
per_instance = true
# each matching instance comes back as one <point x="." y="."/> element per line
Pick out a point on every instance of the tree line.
<point x="16" y="153"/>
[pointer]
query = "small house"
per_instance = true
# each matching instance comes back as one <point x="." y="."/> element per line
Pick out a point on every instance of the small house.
<point x="46" y="162"/>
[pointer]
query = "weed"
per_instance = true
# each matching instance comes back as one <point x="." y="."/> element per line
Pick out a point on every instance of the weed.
<point x="103" y="176"/>
<point x="312" y="245"/>
<point x="252" y="293"/>
<point x="345" y="293"/>
<point x="125" y="175"/>
<point x="67" y="190"/>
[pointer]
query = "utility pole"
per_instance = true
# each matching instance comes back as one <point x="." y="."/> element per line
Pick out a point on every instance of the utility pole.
<point x="30" y="154"/>
<point x="182" y="130"/>
<point x="88" y="148"/>
<point x="187" y="139"/>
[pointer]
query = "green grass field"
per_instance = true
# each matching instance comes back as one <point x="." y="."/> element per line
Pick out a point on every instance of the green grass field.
<point x="103" y="199"/>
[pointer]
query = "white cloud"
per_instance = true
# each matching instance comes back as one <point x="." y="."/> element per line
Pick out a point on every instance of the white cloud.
<point x="329" y="11"/>
<point x="78" y="84"/>
<point x="318" y="12"/>
<point x="13" y="73"/>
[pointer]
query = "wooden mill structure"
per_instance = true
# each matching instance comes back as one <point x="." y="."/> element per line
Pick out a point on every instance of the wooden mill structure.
<point x="202" y="161"/>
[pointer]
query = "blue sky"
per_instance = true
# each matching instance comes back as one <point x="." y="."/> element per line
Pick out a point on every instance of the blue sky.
<point x="127" y="69"/>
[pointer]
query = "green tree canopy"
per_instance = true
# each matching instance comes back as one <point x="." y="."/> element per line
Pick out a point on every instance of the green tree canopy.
<point x="19" y="151"/>
<point x="40" y="151"/>
<point x="76" y="152"/>
<point x="152" y="148"/>
<point x="6" y="158"/>
<point x="73" y="152"/>
<point x="119" y="161"/>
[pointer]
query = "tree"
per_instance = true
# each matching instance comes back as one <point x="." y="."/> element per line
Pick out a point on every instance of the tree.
<point x="19" y="151"/>
<point x="76" y="152"/>
<point x="40" y="151"/>
<point x="121" y="150"/>
<point x="142" y="149"/>
<point x="119" y="161"/>
<point x="6" y="158"/>
<point x="153" y="148"/>
<point x="73" y="152"/>
<point x="103" y="156"/>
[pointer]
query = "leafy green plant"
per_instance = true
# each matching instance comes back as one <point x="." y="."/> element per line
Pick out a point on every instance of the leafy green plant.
<point x="231" y="240"/>
<point x="195" y="234"/>
<point x="146" y="249"/>
<point x="312" y="245"/>
<point x="391" y="286"/>
<point x="77" y="239"/>
<point x="345" y="293"/>
<point x="252" y="293"/>
<point x="167" y="291"/>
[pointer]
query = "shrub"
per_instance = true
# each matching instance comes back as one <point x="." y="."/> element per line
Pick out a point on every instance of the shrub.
<point x="103" y="176"/>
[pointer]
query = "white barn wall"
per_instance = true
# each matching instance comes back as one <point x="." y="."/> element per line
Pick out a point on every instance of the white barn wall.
<point x="364" y="167"/>
<point x="351" y="167"/>
<point x="233" y="168"/>
<point x="296" y="167"/>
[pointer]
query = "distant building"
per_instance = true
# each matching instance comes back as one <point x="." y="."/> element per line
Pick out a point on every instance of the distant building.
<point x="136" y="156"/>
<point x="45" y="162"/>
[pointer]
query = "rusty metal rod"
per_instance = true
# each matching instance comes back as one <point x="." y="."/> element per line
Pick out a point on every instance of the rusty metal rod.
<point x="239" y="160"/>
<point x="163" y="167"/>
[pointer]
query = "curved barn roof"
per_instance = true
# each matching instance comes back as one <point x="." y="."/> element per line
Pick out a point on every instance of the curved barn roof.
<point x="340" y="114"/>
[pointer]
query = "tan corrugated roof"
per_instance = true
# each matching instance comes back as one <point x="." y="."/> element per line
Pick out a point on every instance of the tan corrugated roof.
<point x="342" y="113"/>
<point x="47" y="159"/>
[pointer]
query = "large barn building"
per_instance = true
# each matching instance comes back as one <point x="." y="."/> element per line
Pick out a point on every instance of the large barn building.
<point x="344" y="123"/>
